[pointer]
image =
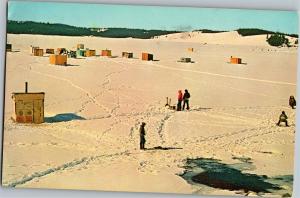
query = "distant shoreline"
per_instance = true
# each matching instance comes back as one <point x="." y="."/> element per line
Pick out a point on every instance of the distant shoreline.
<point x="30" y="27"/>
<point x="193" y="39"/>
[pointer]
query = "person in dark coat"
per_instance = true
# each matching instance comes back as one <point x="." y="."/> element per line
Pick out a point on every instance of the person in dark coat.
<point x="142" y="136"/>
<point x="292" y="102"/>
<point x="186" y="98"/>
<point x="179" y="100"/>
<point x="283" y="118"/>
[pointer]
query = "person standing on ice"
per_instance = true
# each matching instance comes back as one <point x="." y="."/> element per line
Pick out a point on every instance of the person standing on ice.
<point x="292" y="102"/>
<point x="142" y="136"/>
<point x="283" y="118"/>
<point x="186" y="98"/>
<point x="179" y="100"/>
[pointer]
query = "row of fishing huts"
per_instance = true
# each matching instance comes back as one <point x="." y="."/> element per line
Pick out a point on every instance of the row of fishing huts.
<point x="60" y="56"/>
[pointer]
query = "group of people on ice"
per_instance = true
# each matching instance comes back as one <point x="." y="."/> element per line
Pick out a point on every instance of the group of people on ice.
<point x="183" y="98"/>
<point x="283" y="117"/>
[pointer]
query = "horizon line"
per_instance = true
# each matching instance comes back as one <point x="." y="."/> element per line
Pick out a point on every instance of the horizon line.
<point x="180" y="31"/>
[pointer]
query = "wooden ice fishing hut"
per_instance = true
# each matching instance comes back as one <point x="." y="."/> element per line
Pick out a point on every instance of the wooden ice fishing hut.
<point x="38" y="52"/>
<point x="190" y="49"/>
<point x="234" y="60"/>
<point x="147" y="56"/>
<point x="80" y="46"/>
<point x="58" y="59"/>
<point x="185" y="60"/>
<point x="49" y="51"/>
<point x="28" y="107"/>
<point x="89" y="53"/>
<point x="8" y="47"/>
<point x="127" y="54"/>
<point x="106" y="52"/>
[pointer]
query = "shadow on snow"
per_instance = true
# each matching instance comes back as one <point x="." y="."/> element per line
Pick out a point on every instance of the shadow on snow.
<point x="64" y="117"/>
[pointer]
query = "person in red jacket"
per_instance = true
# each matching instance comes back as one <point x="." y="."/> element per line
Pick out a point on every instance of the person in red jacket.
<point x="180" y="98"/>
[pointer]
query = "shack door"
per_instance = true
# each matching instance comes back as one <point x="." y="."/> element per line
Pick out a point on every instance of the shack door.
<point x="38" y="112"/>
<point x="24" y="111"/>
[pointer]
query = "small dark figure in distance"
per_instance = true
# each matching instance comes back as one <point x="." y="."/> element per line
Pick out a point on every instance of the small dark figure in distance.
<point x="283" y="118"/>
<point x="142" y="136"/>
<point x="186" y="98"/>
<point x="292" y="102"/>
<point x="179" y="100"/>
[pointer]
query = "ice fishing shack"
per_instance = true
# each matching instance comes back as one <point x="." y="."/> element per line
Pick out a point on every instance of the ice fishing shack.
<point x="147" y="56"/>
<point x="38" y="52"/>
<point x="106" y="52"/>
<point x="80" y="46"/>
<point x="50" y="51"/>
<point x="55" y="59"/>
<point x="90" y="52"/>
<point x="28" y="107"/>
<point x="127" y="54"/>
<point x="8" y="47"/>
<point x="235" y="60"/>
<point x="185" y="60"/>
<point x="190" y="49"/>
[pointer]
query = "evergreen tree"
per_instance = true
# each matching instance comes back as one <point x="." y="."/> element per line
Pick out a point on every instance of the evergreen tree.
<point x="278" y="40"/>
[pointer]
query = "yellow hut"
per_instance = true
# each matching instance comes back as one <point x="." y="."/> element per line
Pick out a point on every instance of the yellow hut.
<point x="58" y="59"/>
<point x="28" y="107"/>
<point x="190" y="49"/>
<point x="90" y="53"/>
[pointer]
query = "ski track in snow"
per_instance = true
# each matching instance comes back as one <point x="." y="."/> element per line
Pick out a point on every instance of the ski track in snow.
<point x="65" y="166"/>
<point x="223" y="75"/>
